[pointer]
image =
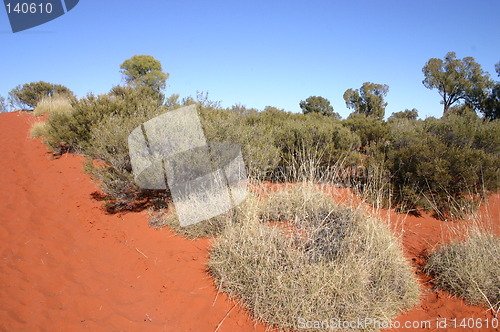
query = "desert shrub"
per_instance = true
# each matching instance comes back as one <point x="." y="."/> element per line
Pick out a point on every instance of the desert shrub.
<point x="38" y="129"/>
<point x="108" y="143"/>
<point x="469" y="268"/>
<point x="53" y="104"/>
<point x="447" y="165"/>
<point x="370" y="129"/>
<point x="255" y="138"/>
<point x="311" y="272"/>
<point x="278" y="145"/>
<point x="28" y="95"/>
<point x="72" y="131"/>
<point x="310" y="143"/>
<point x="98" y="127"/>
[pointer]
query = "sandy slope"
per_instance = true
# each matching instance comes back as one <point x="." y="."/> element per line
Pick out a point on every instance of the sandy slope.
<point x="69" y="266"/>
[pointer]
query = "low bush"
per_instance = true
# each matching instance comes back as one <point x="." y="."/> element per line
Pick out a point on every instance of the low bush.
<point x="447" y="165"/>
<point x="469" y="268"/>
<point x="311" y="271"/>
<point x="98" y="127"/>
<point x="28" y="95"/>
<point x="278" y="145"/>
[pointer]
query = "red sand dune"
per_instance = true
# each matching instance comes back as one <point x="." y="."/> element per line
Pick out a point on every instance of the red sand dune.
<point x="69" y="266"/>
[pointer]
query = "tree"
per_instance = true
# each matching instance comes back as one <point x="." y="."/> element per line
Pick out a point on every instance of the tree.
<point x="406" y="114"/>
<point x="3" y="105"/>
<point x="369" y="100"/>
<point x="491" y="104"/>
<point x="316" y="104"/>
<point x="144" y="71"/>
<point x="457" y="80"/>
<point x="28" y="95"/>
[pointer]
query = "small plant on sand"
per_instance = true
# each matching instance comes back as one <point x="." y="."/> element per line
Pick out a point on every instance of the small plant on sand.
<point x="325" y="262"/>
<point x="469" y="268"/>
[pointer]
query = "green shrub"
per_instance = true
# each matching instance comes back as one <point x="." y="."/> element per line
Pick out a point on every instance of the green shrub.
<point x="279" y="145"/>
<point x="73" y="130"/>
<point x="370" y="129"/>
<point x="28" y="95"/>
<point x="447" y="165"/>
<point x="98" y="127"/>
<point x="311" y="270"/>
<point x="469" y="269"/>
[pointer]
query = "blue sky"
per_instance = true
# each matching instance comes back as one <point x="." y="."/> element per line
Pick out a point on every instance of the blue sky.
<point x="257" y="53"/>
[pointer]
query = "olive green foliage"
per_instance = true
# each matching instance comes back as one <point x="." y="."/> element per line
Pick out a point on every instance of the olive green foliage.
<point x="446" y="165"/>
<point x="98" y="128"/>
<point x="491" y="104"/>
<point x="371" y="130"/>
<point x="28" y="95"/>
<point x="406" y="114"/>
<point x="275" y="142"/>
<point x="457" y="80"/>
<point x="109" y="144"/>
<point x="316" y="104"/>
<point x="369" y="100"/>
<point x="3" y="105"/>
<point x="145" y="71"/>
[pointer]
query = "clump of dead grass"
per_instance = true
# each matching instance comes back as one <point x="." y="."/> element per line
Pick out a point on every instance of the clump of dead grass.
<point x="469" y="268"/>
<point x="53" y="104"/>
<point x="38" y="129"/>
<point x="332" y="263"/>
<point x="207" y="228"/>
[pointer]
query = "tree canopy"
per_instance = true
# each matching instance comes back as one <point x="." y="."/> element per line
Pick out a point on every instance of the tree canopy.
<point x="369" y="100"/>
<point x="491" y="104"/>
<point x="317" y="104"/>
<point x="406" y="114"/>
<point x="457" y="80"/>
<point x="144" y="71"/>
<point x="28" y="95"/>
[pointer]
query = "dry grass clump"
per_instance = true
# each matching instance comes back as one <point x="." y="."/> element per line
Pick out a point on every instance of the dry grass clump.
<point x="207" y="228"/>
<point x="38" y="129"/>
<point x="53" y="104"/>
<point x="469" y="268"/>
<point x="336" y="263"/>
<point x="295" y="203"/>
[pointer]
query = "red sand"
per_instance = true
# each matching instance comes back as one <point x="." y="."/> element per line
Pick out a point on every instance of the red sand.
<point x="69" y="266"/>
